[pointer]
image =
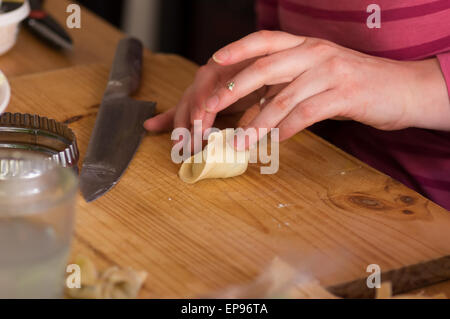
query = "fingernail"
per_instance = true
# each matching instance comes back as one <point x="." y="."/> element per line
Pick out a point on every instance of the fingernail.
<point x="211" y="103"/>
<point x="240" y="141"/>
<point x="221" y="56"/>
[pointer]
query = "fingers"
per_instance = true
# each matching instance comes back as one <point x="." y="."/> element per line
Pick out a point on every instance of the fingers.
<point x="161" y="122"/>
<point x="208" y="121"/>
<point x="275" y="69"/>
<point x="256" y="44"/>
<point x="249" y="115"/>
<point x="251" y="112"/>
<point x="243" y="104"/>
<point x="315" y="109"/>
<point x="207" y="79"/>
<point x="182" y="115"/>
<point x="310" y="83"/>
<point x="273" y="90"/>
<point x="191" y="106"/>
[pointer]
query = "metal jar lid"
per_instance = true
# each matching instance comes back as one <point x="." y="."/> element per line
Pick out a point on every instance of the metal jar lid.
<point x="39" y="134"/>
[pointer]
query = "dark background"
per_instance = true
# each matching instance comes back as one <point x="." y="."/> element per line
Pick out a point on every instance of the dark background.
<point x="194" y="29"/>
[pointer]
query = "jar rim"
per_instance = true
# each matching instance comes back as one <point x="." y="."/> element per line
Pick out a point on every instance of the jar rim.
<point x="30" y="183"/>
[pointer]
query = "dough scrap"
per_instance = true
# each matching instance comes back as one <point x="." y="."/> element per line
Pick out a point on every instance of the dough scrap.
<point x="112" y="283"/>
<point x="217" y="160"/>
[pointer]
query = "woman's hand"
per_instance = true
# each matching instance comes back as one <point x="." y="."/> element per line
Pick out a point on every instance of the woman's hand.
<point x="192" y="104"/>
<point x="315" y="80"/>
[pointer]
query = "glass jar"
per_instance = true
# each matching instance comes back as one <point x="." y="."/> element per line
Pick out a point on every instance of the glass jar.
<point x="37" y="208"/>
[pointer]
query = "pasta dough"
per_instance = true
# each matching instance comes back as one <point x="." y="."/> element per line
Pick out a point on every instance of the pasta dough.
<point x="218" y="160"/>
<point x="112" y="283"/>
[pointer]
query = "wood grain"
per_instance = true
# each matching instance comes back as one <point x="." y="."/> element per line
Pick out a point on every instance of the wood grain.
<point x="324" y="210"/>
<point x="403" y="280"/>
<point x="95" y="42"/>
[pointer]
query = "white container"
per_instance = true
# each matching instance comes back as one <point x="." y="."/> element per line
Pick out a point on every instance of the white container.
<point x="5" y="92"/>
<point x="9" y="26"/>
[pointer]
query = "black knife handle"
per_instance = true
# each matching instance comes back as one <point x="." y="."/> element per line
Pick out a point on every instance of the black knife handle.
<point x="47" y="29"/>
<point x="36" y="4"/>
<point x="125" y="76"/>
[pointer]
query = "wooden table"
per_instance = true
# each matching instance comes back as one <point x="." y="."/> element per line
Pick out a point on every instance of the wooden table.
<point x="191" y="248"/>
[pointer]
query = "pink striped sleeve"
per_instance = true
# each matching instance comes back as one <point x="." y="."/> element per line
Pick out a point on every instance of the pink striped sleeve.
<point x="267" y="12"/>
<point x="444" y="60"/>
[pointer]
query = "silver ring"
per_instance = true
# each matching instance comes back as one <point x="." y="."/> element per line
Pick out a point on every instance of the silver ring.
<point x="230" y="86"/>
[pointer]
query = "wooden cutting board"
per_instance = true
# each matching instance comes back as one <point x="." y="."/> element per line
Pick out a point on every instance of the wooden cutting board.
<point x="324" y="211"/>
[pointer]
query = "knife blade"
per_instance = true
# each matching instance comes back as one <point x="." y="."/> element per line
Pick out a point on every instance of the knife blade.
<point x="46" y="28"/>
<point x="118" y="128"/>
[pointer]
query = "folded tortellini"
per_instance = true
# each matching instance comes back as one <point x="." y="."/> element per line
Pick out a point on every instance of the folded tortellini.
<point x="217" y="160"/>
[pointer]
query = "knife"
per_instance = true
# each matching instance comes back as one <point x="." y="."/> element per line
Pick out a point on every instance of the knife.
<point x="43" y="26"/>
<point x="119" y="127"/>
